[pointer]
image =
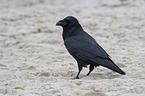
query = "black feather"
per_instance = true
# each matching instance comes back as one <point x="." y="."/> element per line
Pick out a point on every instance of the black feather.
<point x="84" y="48"/>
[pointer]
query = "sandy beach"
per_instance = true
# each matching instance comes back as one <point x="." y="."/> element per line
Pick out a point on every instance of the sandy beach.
<point x="35" y="62"/>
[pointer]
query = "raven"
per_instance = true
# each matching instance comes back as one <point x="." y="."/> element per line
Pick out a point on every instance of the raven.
<point x="84" y="48"/>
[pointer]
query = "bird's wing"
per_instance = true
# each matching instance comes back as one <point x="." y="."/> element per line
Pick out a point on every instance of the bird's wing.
<point x="93" y="53"/>
<point x="85" y="49"/>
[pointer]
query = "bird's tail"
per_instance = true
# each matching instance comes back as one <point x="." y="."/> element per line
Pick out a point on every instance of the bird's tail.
<point x="114" y="67"/>
<point x="110" y="64"/>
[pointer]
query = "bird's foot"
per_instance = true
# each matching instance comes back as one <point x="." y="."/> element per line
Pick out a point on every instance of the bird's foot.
<point x="88" y="74"/>
<point x="75" y="78"/>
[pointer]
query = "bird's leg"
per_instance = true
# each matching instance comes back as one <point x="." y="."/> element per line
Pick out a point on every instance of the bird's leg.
<point x="91" y="68"/>
<point x="80" y="69"/>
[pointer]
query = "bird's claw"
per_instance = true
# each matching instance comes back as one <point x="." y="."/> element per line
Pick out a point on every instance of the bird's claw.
<point x="75" y="78"/>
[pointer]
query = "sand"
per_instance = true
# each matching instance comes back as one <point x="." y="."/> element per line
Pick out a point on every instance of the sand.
<point x="34" y="61"/>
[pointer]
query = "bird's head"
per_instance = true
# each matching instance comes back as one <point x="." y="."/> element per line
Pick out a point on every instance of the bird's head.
<point x="68" y="22"/>
<point x="70" y="26"/>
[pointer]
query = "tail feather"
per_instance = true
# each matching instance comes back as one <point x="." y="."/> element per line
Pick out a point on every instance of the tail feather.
<point x="109" y="64"/>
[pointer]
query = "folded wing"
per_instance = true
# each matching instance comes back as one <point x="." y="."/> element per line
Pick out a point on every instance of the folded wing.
<point x="90" y="51"/>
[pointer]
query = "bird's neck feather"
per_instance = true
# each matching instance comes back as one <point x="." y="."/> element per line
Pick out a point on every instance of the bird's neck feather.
<point x="72" y="31"/>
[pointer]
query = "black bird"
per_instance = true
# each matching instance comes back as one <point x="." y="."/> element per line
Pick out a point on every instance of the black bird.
<point x="84" y="48"/>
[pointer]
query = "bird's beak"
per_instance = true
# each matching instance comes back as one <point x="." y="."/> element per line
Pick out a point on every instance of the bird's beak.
<point x="61" y="23"/>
